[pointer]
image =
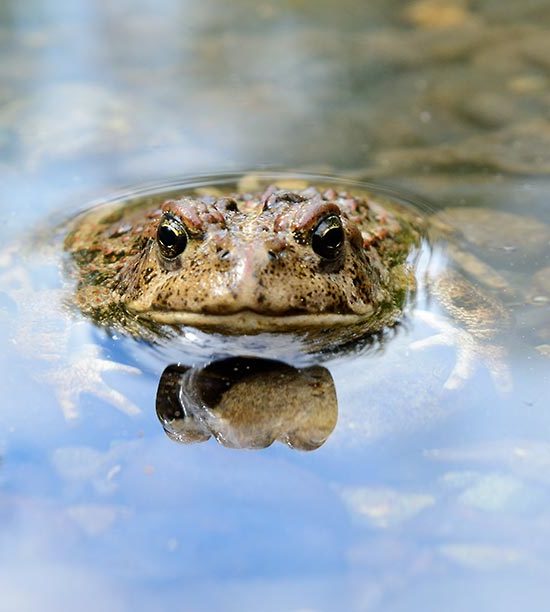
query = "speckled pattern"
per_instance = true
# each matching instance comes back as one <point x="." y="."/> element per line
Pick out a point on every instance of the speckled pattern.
<point x="249" y="263"/>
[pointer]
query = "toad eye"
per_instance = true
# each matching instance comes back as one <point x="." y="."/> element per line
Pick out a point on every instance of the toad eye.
<point x="327" y="239"/>
<point x="171" y="236"/>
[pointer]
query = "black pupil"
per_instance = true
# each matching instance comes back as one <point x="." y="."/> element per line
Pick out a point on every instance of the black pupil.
<point x="333" y="238"/>
<point x="172" y="237"/>
<point x="328" y="237"/>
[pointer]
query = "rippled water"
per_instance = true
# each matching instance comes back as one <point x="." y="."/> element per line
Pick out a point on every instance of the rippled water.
<point x="419" y="498"/>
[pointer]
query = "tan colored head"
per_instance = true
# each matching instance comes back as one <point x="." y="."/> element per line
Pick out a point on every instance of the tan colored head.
<point x="278" y="260"/>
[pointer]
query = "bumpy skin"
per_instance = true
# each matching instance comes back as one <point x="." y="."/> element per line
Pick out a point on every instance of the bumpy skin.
<point x="249" y="265"/>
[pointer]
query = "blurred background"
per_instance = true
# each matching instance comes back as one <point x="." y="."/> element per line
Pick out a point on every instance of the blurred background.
<point x="442" y="95"/>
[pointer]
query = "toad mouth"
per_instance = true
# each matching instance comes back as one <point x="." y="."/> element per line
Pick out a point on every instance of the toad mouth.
<point x="254" y="322"/>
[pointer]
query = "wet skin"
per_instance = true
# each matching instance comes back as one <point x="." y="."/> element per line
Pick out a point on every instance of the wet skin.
<point x="275" y="260"/>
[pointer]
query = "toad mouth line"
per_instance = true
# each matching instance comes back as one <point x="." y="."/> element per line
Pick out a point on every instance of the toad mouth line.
<point x="253" y="321"/>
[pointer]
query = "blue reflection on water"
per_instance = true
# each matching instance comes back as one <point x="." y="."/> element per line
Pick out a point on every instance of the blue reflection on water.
<point x="417" y="501"/>
<point x="109" y="505"/>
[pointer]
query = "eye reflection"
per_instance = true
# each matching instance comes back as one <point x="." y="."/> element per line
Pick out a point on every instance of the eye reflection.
<point x="328" y="237"/>
<point x="171" y="236"/>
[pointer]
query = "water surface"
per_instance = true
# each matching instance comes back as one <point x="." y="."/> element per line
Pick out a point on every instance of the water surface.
<point x="419" y="499"/>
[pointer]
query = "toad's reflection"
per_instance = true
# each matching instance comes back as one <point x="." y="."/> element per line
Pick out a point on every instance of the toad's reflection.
<point x="248" y="403"/>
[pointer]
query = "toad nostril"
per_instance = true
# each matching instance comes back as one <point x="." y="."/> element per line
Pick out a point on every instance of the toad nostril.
<point x="223" y="253"/>
<point x="230" y="204"/>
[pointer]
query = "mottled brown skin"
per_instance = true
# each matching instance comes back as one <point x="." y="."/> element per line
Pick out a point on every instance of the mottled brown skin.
<point x="249" y="265"/>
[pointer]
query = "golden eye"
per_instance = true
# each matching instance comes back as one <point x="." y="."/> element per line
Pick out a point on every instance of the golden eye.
<point x="172" y="236"/>
<point x="327" y="239"/>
